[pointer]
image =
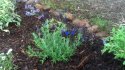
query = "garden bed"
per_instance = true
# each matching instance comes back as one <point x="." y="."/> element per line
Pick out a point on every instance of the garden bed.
<point x="87" y="56"/>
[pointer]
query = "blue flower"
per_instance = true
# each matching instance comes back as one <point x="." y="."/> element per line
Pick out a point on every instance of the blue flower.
<point x="72" y="33"/>
<point x="67" y="33"/>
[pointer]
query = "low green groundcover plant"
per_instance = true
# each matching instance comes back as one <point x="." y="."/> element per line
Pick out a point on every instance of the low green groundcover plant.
<point x="101" y="22"/>
<point x="52" y="44"/>
<point x="7" y="13"/>
<point x="6" y="62"/>
<point x="116" y="43"/>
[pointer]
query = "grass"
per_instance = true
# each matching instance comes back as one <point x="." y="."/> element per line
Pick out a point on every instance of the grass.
<point x="101" y="22"/>
<point x="65" y="5"/>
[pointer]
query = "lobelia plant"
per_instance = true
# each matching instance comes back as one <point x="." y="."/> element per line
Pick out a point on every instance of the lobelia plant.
<point x="7" y="13"/>
<point x="116" y="43"/>
<point x="52" y="45"/>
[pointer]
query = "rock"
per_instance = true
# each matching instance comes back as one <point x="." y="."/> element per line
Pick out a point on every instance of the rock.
<point x="69" y="16"/>
<point x="86" y="22"/>
<point x="39" y="6"/>
<point x="101" y="34"/>
<point x="93" y="29"/>
<point x="81" y="23"/>
<point x="46" y="8"/>
<point x="32" y="1"/>
<point x="42" y="7"/>
<point x="55" y="13"/>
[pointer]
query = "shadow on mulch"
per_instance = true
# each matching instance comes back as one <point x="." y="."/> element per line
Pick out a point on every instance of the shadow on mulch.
<point x="87" y="56"/>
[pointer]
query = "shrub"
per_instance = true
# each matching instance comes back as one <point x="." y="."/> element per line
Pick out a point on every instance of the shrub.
<point x="7" y="14"/>
<point x="116" y="43"/>
<point x="52" y="44"/>
<point x="6" y="61"/>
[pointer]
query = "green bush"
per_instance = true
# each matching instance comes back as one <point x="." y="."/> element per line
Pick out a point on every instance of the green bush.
<point x="52" y="44"/>
<point x="116" y="43"/>
<point x="7" y="14"/>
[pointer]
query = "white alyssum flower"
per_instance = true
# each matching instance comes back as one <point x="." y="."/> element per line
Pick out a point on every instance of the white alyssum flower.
<point x="1" y="67"/>
<point x="9" y="51"/>
<point x="2" y="56"/>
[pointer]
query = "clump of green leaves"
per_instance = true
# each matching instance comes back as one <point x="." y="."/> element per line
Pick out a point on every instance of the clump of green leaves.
<point x="116" y="43"/>
<point x="52" y="45"/>
<point x="101" y="22"/>
<point x="6" y="62"/>
<point x="7" y="13"/>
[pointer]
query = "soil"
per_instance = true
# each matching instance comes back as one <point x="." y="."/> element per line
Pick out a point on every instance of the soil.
<point x="87" y="56"/>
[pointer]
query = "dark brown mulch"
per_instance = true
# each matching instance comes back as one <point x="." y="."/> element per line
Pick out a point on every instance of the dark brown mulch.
<point x="87" y="56"/>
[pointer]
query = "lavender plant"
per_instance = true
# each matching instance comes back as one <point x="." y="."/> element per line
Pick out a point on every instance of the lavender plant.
<point x="7" y="13"/>
<point x="52" y="45"/>
<point x="116" y="43"/>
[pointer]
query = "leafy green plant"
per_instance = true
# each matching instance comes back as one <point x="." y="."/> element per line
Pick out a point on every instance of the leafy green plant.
<point x="52" y="45"/>
<point x="6" y="61"/>
<point x="102" y="23"/>
<point x="7" y="13"/>
<point x="116" y="43"/>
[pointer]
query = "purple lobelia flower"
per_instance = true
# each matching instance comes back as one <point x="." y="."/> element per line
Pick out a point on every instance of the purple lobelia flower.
<point x="41" y="16"/>
<point x="31" y="10"/>
<point x="27" y="13"/>
<point x="71" y="32"/>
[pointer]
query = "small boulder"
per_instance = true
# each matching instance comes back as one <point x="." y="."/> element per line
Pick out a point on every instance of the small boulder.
<point x="69" y="16"/>
<point x="54" y="13"/>
<point x="101" y="34"/>
<point x="46" y="8"/>
<point x="93" y="29"/>
<point x="39" y="6"/>
<point x="32" y="1"/>
<point x="81" y="23"/>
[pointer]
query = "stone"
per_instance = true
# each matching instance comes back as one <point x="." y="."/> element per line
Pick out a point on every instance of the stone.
<point x="101" y="34"/>
<point x="69" y="16"/>
<point x="81" y="23"/>
<point x="39" y="6"/>
<point x="55" y="13"/>
<point x="46" y="8"/>
<point x="86" y="22"/>
<point x="93" y="29"/>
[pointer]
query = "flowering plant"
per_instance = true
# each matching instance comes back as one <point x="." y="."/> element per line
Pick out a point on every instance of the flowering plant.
<point x="6" y="61"/>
